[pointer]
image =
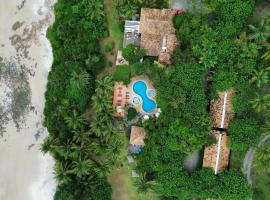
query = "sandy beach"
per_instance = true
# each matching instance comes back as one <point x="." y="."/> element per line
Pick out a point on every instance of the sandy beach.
<point x="25" y="60"/>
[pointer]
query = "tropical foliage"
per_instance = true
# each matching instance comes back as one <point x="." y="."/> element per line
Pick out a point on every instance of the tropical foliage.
<point x="126" y="9"/>
<point x="262" y="158"/>
<point x="85" y="148"/>
<point x="133" y="53"/>
<point x="217" y="52"/>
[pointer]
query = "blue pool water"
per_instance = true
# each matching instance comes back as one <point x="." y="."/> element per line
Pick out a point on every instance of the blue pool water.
<point x="140" y="88"/>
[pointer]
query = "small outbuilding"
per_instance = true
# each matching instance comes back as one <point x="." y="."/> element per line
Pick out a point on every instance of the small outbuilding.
<point x="137" y="136"/>
<point x="136" y="141"/>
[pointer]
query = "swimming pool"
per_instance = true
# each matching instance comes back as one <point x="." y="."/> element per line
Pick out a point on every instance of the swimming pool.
<point x="140" y="88"/>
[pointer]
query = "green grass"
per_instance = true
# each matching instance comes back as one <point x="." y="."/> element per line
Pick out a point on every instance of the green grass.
<point x="113" y="24"/>
<point x="121" y="181"/>
<point x="123" y="187"/>
<point x="122" y="73"/>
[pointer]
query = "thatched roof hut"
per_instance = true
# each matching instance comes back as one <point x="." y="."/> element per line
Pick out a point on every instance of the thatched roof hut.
<point x="157" y="32"/>
<point x="220" y="118"/>
<point x="137" y="136"/>
<point x="211" y="158"/>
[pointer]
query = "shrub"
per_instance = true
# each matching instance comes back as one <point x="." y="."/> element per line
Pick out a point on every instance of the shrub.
<point x="131" y="114"/>
<point x="122" y="74"/>
<point x="231" y="17"/>
<point x="133" y="53"/>
<point x="244" y="133"/>
<point x="109" y="47"/>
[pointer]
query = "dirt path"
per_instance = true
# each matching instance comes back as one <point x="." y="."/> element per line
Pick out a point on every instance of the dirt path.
<point x="115" y="36"/>
<point x="25" y="60"/>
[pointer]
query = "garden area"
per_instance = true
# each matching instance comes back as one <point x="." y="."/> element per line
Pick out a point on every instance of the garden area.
<point x="222" y="47"/>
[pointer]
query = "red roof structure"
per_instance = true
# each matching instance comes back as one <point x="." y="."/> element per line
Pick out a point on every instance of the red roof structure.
<point x="119" y="99"/>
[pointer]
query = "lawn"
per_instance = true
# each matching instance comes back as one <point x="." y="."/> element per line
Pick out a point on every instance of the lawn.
<point x="121" y="181"/>
<point x="111" y="44"/>
<point x="114" y="27"/>
<point x="123" y="188"/>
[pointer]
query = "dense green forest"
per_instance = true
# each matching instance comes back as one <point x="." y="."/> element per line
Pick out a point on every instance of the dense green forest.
<point x="219" y="50"/>
<point x="83" y="138"/>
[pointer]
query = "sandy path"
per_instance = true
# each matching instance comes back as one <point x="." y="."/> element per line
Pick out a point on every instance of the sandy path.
<point x="25" y="60"/>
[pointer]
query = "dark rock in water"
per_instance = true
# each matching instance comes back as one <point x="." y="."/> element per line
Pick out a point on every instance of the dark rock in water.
<point x="17" y="25"/>
<point x="21" y="5"/>
<point x="30" y="146"/>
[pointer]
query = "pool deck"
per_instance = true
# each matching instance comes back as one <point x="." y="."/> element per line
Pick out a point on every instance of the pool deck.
<point x="132" y="94"/>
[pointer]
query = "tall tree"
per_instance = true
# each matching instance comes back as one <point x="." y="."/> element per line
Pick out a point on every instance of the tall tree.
<point x="75" y="121"/>
<point x="261" y="102"/>
<point x="260" y="78"/>
<point x="262" y="159"/>
<point x="261" y="32"/>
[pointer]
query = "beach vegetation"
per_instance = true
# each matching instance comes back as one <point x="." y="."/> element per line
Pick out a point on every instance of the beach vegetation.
<point x="85" y="149"/>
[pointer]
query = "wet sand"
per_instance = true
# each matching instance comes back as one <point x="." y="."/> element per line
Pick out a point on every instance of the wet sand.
<point x="25" y="60"/>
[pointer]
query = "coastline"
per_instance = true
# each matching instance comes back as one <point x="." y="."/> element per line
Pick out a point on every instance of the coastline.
<point x="26" y="58"/>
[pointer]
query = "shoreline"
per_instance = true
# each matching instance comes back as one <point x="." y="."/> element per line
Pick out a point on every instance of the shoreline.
<point x="26" y="174"/>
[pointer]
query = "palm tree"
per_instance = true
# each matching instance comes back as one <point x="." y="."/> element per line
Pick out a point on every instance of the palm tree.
<point x="142" y="184"/>
<point x="80" y="80"/>
<point x="266" y="126"/>
<point x="75" y="121"/>
<point x="266" y="55"/>
<point x="104" y="83"/>
<point x="262" y="162"/>
<point x="77" y="83"/>
<point x="82" y="167"/>
<point x="261" y="102"/>
<point x="46" y="145"/>
<point x="96" y="128"/>
<point x="51" y="145"/>
<point x="80" y="137"/>
<point x="98" y="103"/>
<point x="62" y="172"/>
<point x="260" y="78"/>
<point x="260" y="33"/>
<point x="68" y="151"/>
<point x="94" y="9"/>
